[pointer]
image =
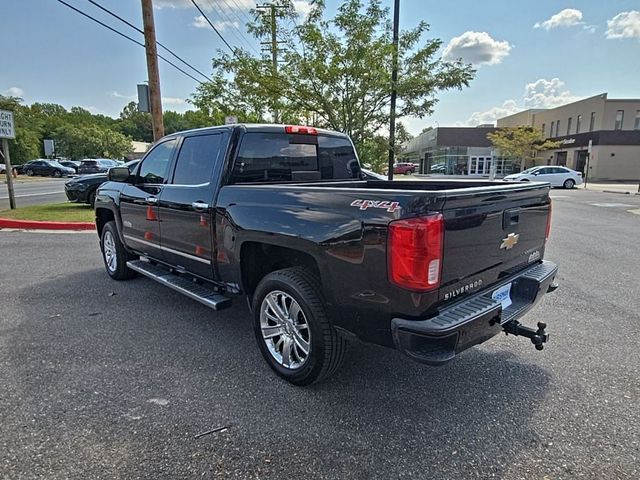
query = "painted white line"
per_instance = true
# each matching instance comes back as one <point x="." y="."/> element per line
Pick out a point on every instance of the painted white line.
<point x="611" y="205"/>
<point x="636" y="211"/>
<point x="559" y="196"/>
<point x="34" y="195"/>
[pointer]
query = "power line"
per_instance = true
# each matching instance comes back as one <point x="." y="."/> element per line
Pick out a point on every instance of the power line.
<point x="241" y="10"/>
<point x="142" y="32"/>
<point x="233" y="29"/>
<point x="127" y="37"/>
<point x="212" y="26"/>
<point x="233" y="12"/>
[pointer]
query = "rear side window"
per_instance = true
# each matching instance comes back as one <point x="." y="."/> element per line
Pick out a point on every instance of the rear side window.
<point x="155" y="165"/>
<point x="278" y="157"/>
<point x="196" y="159"/>
<point x="90" y="164"/>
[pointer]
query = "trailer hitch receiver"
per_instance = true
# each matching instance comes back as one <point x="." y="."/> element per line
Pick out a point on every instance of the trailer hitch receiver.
<point x="538" y="337"/>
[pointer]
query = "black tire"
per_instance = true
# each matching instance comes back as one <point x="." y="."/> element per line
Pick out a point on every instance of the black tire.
<point x="29" y="172"/>
<point x="569" y="184"/>
<point x="57" y="173"/>
<point x="327" y="346"/>
<point x="91" y="199"/>
<point x="408" y="172"/>
<point x="110" y="238"/>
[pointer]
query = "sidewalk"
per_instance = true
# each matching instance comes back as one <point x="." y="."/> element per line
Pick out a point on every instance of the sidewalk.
<point x="624" y="188"/>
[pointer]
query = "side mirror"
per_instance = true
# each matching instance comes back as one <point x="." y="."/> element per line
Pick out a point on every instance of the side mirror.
<point x="536" y="173"/>
<point x="118" y="174"/>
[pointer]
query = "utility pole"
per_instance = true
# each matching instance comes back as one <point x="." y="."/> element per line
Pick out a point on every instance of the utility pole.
<point x="152" y="69"/>
<point x="394" y="88"/>
<point x="9" y="172"/>
<point x="273" y="46"/>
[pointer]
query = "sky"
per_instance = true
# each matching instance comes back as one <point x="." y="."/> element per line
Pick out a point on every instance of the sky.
<point x="528" y="54"/>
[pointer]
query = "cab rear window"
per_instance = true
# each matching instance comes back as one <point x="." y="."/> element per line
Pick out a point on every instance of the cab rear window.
<point x="278" y="157"/>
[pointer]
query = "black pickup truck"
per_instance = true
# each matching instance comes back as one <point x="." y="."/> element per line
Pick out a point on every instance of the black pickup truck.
<point x="324" y="255"/>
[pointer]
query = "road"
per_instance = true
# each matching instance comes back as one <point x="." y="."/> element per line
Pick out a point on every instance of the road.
<point x="33" y="192"/>
<point x="104" y="379"/>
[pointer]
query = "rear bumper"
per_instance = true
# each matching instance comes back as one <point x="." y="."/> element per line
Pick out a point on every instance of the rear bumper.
<point x="437" y="340"/>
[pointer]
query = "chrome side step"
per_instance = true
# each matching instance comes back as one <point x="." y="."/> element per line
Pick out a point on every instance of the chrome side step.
<point x="201" y="293"/>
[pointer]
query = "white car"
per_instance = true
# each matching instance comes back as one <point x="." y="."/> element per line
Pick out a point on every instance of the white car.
<point x="556" y="176"/>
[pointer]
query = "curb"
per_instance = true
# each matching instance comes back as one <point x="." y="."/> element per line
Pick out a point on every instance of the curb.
<point x="41" y="225"/>
<point x="615" y="191"/>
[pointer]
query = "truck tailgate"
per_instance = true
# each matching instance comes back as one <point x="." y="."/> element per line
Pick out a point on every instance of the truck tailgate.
<point x="491" y="235"/>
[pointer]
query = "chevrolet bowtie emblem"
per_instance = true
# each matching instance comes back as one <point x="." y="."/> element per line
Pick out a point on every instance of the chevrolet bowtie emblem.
<point x="510" y="241"/>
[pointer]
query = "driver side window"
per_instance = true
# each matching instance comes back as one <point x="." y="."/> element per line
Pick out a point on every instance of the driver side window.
<point x="156" y="164"/>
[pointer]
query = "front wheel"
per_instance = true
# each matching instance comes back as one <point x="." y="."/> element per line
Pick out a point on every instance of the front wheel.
<point x="569" y="183"/>
<point x="29" y="173"/>
<point x="114" y="254"/>
<point x="292" y="327"/>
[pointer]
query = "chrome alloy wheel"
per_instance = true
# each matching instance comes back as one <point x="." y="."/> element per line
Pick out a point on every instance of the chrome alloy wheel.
<point x="285" y="330"/>
<point x="109" y="250"/>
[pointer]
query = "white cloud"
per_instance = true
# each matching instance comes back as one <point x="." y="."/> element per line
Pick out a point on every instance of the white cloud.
<point x="509" y="107"/>
<point x="121" y="95"/>
<point x="200" y="22"/>
<point x="547" y="94"/>
<point x="173" y="101"/>
<point x="565" y="18"/>
<point x="13" y="92"/>
<point x="624" y="25"/>
<point x="542" y="93"/>
<point x="477" y="48"/>
<point x="302" y="7"/>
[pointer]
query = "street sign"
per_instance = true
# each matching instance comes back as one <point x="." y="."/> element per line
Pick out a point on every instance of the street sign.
<point x="144" y="105"/>
<point x="6" y="125"/>
<point x="230" y="120"/>
<point x="49" y="147"/>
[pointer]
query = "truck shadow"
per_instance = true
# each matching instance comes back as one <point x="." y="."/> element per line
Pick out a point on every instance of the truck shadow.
<point x="381" y="416"/>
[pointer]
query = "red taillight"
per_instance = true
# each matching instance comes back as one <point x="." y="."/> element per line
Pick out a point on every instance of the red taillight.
<point x="300" y="129"/>
<point x="546" y="236"/>
<point x="414" y="250"/>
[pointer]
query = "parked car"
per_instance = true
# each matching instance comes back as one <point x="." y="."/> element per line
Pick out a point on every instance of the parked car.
<point x="404" y="168"/>
<point x="282" y="215"/>
<point x="71" y="164"/>
<point x="556" y="176"/>
<point x="3" y="168"/>
<point x="82" y="189"/>
<point x="96" y="165"/>
<point x="47" y="168"/>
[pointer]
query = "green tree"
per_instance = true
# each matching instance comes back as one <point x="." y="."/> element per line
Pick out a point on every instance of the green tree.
<point x="29" y="130"/>
<point x="135" y="124"/>
<point x="520" y="143"/>
<point x="336" y="73"/>
<point x="90" y="141"/>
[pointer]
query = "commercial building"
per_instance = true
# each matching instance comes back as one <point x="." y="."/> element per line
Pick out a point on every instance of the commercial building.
<point x="455" y="151"/>
<point x="610" y="126"/>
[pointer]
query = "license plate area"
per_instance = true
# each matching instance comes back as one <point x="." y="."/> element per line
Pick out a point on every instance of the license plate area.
<point x="503" y="295"/>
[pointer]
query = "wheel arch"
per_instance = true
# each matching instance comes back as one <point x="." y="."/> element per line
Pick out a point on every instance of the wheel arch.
<point x="258" y="259"/>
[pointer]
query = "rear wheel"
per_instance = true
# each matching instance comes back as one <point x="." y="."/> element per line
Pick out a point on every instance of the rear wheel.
<point x="408" y="172"/>
<point x="569" y="183"/>
<point x="57" y="173"/>
<point x="114" y="254"/>
<point x="292" y="328"/>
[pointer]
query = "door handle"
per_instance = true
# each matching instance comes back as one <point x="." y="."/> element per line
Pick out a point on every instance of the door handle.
<point x="200" y="206"/>
<point x="151" y="200"/>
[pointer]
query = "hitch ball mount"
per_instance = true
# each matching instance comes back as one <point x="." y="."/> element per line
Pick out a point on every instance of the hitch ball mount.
<point x="538" y="337"/>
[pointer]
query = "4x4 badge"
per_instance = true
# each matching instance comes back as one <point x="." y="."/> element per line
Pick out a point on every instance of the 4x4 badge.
<point x="509" y="242"/>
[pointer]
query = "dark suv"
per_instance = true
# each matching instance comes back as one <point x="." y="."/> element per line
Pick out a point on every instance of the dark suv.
<point x="96" y="165"/>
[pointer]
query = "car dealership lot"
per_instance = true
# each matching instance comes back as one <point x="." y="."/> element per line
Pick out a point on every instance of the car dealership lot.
<point x="103" y="379"/>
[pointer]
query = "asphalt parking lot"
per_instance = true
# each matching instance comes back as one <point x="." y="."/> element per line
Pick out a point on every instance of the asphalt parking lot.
<point x="104" y="379"/>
